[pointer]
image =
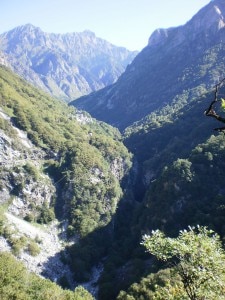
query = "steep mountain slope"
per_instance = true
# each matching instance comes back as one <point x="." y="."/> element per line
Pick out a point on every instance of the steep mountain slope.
<point x="178" y="63"/>
<point x="180" y="182"/>
<point x="76" y="149"/>
<point x="66" y="65"/>
<point x="55" y="162"/>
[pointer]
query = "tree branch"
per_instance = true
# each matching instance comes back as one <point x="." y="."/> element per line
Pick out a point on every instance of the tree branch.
<point x="210" y="112"/>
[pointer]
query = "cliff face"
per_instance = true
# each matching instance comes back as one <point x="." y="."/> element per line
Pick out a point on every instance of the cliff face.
<point x="66" y="65"/>
<point x="25" y="190"/>
<point x="21" y="173"/>
<point x="207" y="22"/>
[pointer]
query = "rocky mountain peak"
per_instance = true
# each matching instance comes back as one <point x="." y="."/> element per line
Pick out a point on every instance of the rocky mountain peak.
<point x="209" y="19"/>
<point x="66" y="65"/>
<point x="24" y="30"/>
<point x="28" y="27"/>
<point x="159" y="36"/>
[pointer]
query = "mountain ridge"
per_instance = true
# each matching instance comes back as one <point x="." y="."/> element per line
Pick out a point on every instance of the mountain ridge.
<point x="162" y="71"/>
<point x="66" y="65"/>
<point x="209" y="17"/>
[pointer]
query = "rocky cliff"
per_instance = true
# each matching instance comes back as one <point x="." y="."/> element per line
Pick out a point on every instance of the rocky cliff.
<point x="24" y="191"/>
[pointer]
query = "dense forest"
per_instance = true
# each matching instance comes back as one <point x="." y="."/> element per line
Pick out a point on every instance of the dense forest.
<point x="180" y="184"/>
<point x="75" y="151"/>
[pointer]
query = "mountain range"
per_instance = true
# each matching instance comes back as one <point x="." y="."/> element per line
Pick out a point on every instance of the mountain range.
<point x="177" y="63"/>
<point x="96" y="191"/>
<point x="65" y="65"/>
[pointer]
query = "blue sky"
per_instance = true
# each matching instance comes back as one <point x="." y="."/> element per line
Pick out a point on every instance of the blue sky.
<point x="127" y="23"/>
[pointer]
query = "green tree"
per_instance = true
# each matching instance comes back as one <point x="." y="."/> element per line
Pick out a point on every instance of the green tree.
<point x="197" y="258"/>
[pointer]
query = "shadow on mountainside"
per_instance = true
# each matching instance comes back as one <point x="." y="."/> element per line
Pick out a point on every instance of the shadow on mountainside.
<point x="117" y="245"/>
<point x="111" y="246"/>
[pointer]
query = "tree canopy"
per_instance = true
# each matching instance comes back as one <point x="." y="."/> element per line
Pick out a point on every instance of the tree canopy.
<point x="196" y="256"/>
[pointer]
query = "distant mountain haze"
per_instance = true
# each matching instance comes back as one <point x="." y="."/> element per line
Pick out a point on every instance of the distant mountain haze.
<point x="175" y="60"/>
<point x="66" y="65"/>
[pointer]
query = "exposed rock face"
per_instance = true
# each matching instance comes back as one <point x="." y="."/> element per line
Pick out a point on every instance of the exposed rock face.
<point x="66" y="65"/>
<point x="17" y="154"/>
<point x="4" y="60"/>
<point x="209" y="20"/>
<point x="117" y="167"/>
<point x="163" y="71"/>
<point x="25" y="196"/>
<point x="159" y="36"/>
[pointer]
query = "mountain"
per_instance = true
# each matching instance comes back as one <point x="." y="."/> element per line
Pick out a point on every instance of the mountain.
<point x="59" y="161"/>
<point x="178" y="160"/>
<point x="182" y="174"/>
<point x="66" y="65"/>
<point x="178" y="63"/>
<point x="92" y="199"/>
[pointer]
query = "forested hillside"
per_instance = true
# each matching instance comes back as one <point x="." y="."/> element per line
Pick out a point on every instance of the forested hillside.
<point x="17" y="283"/>
<point x="63" y="163"/>
<point x="177" y="181"/>
<point x="180" y="184"/>
<point x="106" y="197"/>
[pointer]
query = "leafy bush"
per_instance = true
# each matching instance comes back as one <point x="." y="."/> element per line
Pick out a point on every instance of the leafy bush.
<point x="17" y="283"/>
<point x="33" y="248"/>
<point x="32" y="170"/>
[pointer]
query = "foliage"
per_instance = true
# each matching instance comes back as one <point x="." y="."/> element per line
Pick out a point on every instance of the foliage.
<point x="33" y="248"/>
<point x="16" y="283"/>
<point x="162" y="285"/>
<point x="189" y="191"/>
<point x="178" y="179"/>
<point x="85" y="159"/>
<point x="31" y="170"/>
<point x="198" y="259"/>
<point x="46" y="214"/>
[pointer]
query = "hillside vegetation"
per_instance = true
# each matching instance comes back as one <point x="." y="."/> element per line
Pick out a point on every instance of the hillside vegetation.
<point x="110" y="200"/>
<point x="180" y="184"/>
<point x="17" y="283"/>
<point x="71" y="166"/>
<point x="86" y="159"/>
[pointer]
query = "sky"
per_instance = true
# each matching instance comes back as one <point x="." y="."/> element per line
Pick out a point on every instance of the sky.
<point x="127" y="23"/>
